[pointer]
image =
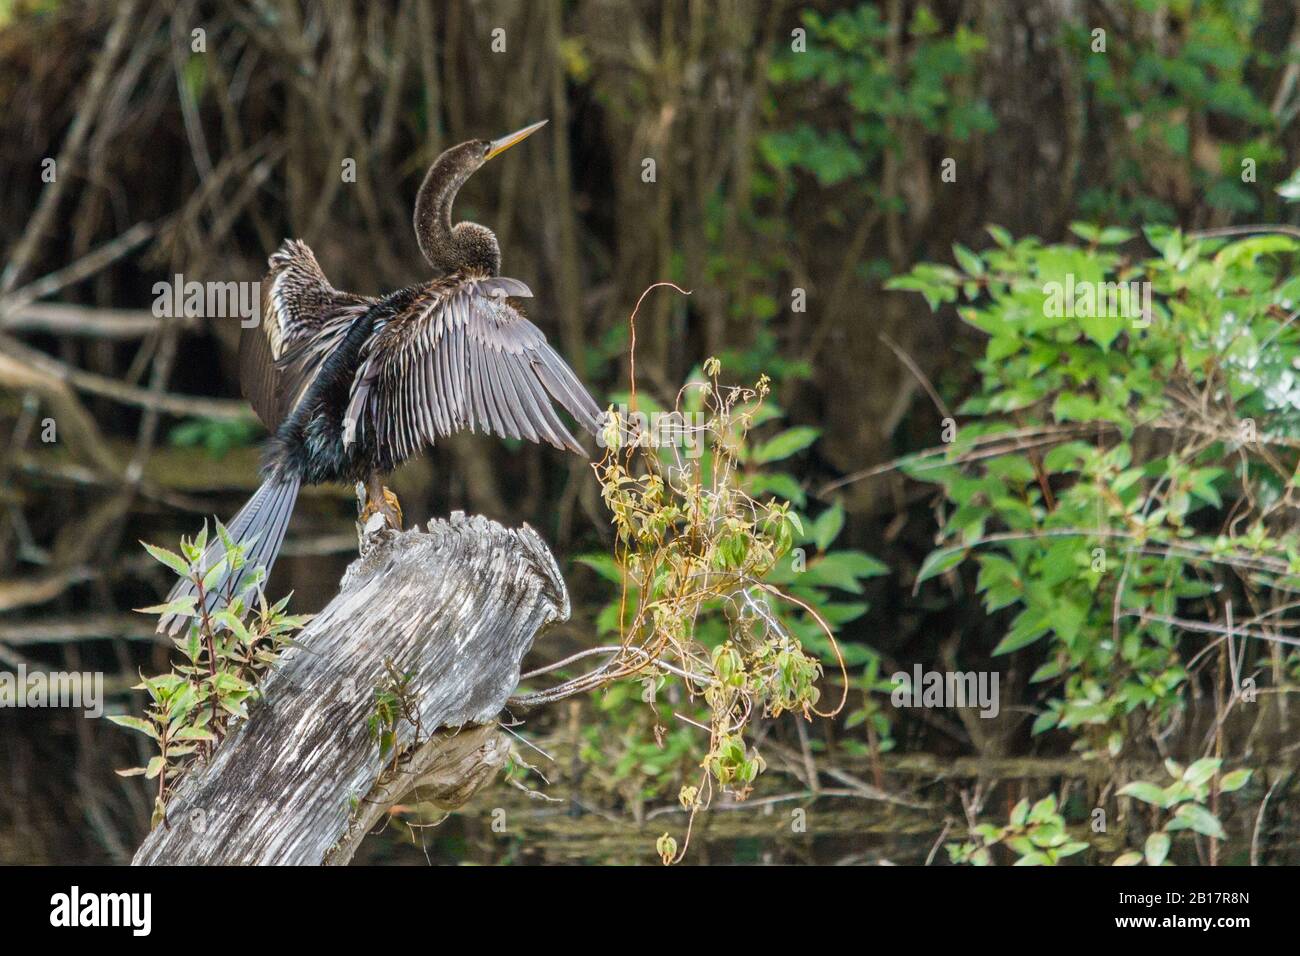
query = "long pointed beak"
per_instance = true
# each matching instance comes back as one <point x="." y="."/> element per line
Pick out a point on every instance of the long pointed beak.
<point x="499" y="146"/>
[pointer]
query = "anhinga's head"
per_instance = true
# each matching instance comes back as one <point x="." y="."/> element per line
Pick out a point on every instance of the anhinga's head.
<point x="467" y="246"/>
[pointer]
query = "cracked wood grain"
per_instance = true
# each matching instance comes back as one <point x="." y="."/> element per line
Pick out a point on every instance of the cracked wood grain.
<point x="301" y="781"/>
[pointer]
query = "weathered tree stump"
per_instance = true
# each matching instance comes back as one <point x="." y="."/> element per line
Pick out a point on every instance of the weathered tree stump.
<point x="302" y="780"/>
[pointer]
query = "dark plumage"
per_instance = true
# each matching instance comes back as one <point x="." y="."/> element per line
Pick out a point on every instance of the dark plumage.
<point x="352" y="386"/>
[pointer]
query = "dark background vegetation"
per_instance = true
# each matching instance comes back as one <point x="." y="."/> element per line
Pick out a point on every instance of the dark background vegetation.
<point x="775" y="171"/>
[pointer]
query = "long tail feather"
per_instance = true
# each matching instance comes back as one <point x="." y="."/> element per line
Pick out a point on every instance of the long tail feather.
<point x="260" y="527"/>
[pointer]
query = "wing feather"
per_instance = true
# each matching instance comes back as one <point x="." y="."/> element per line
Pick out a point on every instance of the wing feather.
<point x="303" y="318"/>
<point x="518" y="411"/>
<point x="514" y="400"/>
<point x="467" y="373"/>
<point x="436" y="377"/>
<point x="438" y="385"/>
<point x="541" y="412"/>
<point x="566" y="389"/>
<point x="459" y="357"/>
<point x="501" y="413"/>
<point x="474" y="385"/>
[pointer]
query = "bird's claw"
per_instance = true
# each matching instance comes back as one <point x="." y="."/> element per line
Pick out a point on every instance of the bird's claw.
<point x="378" y="511"/>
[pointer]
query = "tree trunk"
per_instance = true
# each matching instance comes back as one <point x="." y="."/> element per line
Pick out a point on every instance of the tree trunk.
<point x="302" y="780"/>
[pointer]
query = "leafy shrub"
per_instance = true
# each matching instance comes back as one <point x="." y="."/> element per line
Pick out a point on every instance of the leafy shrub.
<point x="224" y="653"/>
<point x="709" y="609"/>
<point x="1123" y="480"/>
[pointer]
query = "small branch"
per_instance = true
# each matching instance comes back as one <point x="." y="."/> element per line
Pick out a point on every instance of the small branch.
<point x="920" y="376"/>
<point x="180" y="405"/>
<point x="97" y="87"/>
<point x="85" y="267"/>
<point x="60" y="318"/>
<point x="66" y="630"/>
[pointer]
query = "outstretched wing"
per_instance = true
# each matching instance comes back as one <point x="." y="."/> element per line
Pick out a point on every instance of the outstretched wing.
<point x="459" y="356"/>
<point x="303" y="319"/>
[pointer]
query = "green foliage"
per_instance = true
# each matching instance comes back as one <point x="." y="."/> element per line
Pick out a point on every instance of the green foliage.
<point x="1167" y="99"/>
<point x="847" y="63"/>
<point x="215" y="435"/>
<point x="1181" y="805"/>
<point x="1037" y="835"/>
<point x="394" y="703"/>
<point x="223" y="654"/>
<point x="705" y="607"/>
<point x="873" y="714"/>
<point x="834" y="112"/>
<point x="828" y="580"/>
<point x="1096" y="463"/>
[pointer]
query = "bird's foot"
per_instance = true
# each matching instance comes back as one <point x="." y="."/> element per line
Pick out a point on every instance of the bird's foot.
<point x="378" y="500"/>
<point x="391" y="509"/>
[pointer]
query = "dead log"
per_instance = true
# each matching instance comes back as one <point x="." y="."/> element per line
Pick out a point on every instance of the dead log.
<point x="302" y="780"/>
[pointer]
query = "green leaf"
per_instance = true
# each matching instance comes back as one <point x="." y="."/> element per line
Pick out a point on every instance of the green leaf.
<point x="1157" y="848"/>
<point x="831" y="572"/>
<point x="134" y="723"/>
<point x="1070" y="407"/>
<point x="227" y="542"/>
<point x="235" y="625"/>
<point x="937" y="562"/>
<point x="969" y="261"/>
<point x="1114" y="236"/>
<point x="1193" y="816"/>
<point x="1103" y="329"/>
<point x="1037" y="858"/>
<point x="784" y="445"/>
<point x="1146" y="792"/>
<point x="858" y="563"/>
<point x="1029" y="625"/>
<point x="194" y="733"/>
<point x="1067" y="457"/>
<point x="1044" y="722"/>
<point x="1290" y="188"/>
<point x="1000" y="236"/>
<point x="1043" y="810"/>
<point x="172" y="560"/>
<point x="183" y="607"/>
<point x="1245" y="251"/>
<point x="214" y="574"/>
<point x="604" y="565"/>
<point x="1234" y="781"/>
<point x="1201" y="771"/>
<point x="776" y="483"/>
<point x="1020" y="813"/>
<point x="1047" y="671"/>
<point x="828" y="526"/>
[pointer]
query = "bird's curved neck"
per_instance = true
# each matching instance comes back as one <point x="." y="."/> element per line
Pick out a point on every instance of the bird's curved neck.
<point x="433" y="229"/>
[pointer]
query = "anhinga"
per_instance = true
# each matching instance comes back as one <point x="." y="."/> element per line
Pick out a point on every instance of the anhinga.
<point x="351" y="386"/>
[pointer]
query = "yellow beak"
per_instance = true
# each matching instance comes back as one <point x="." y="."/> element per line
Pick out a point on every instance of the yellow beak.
<point x="499" y="146"/>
